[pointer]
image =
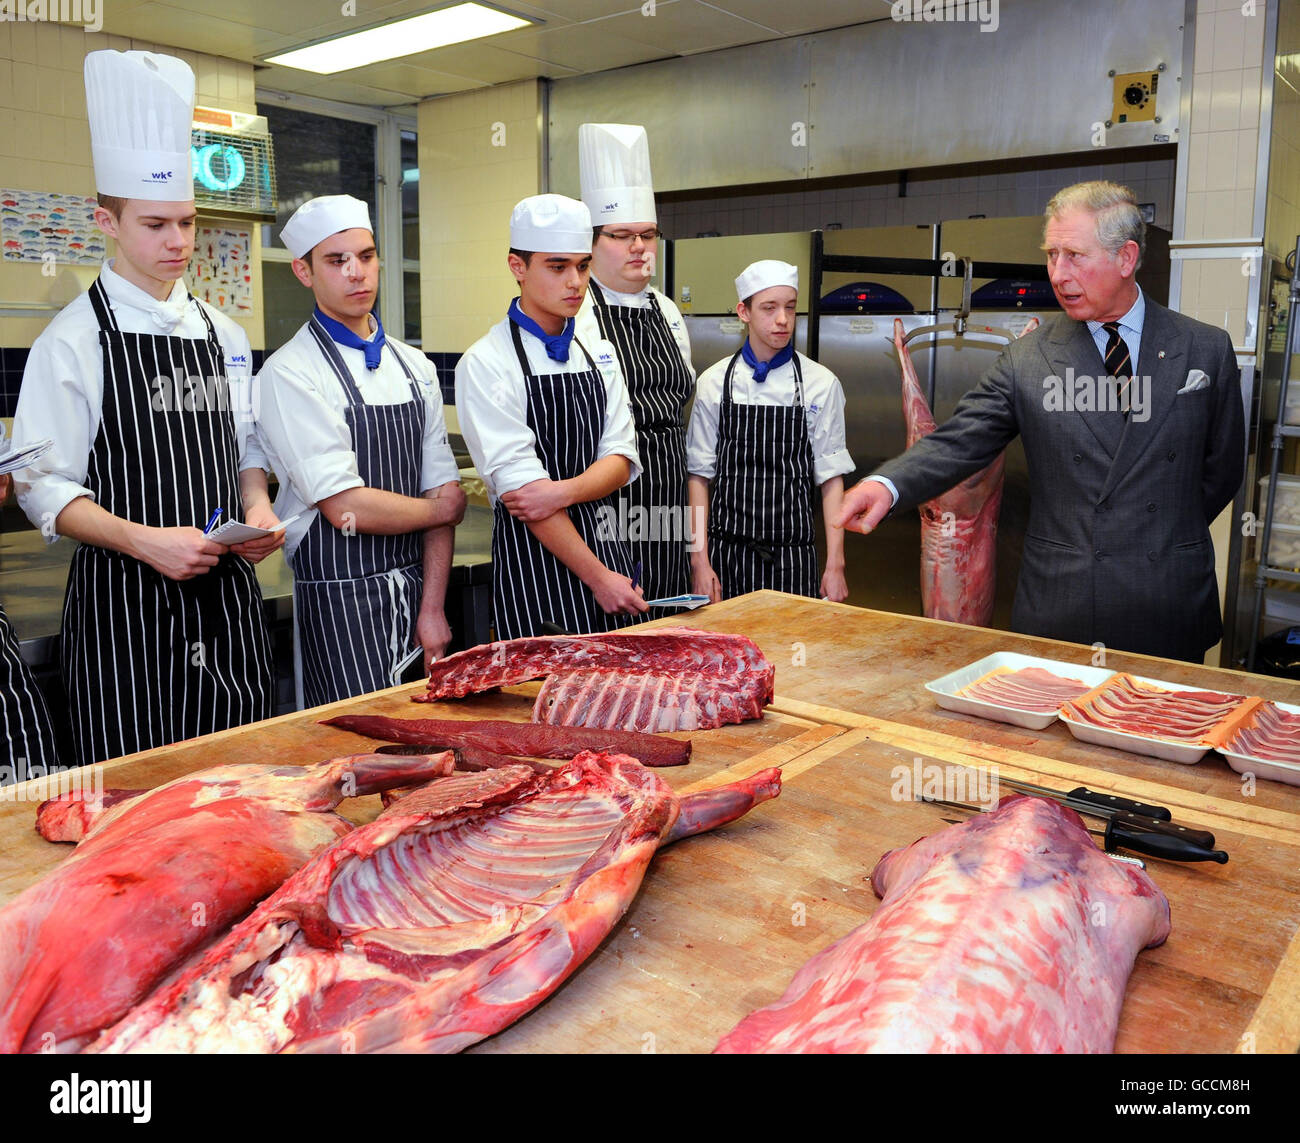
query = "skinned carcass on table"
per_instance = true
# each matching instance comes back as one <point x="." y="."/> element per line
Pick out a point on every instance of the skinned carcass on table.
<point x="1011" y="932"/>
<point x="959" y="530"/>
<point x="458" y="910"/>
<point x="673" y="678"/>
<point x="160" y="875"/>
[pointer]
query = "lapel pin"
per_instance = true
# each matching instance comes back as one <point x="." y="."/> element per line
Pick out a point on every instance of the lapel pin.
<point x="1161" y="355"/>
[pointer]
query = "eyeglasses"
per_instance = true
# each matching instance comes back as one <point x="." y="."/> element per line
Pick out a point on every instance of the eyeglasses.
<point x="626" y="236"/>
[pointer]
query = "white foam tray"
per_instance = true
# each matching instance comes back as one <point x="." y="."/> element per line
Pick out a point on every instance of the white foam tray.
<point x="1262" y="767"/>
<point x="1186" y="753"/>
<point x="945" y="689"/>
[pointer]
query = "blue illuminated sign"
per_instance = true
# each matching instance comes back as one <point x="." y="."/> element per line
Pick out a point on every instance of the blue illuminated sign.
<point x="217" y="167"/>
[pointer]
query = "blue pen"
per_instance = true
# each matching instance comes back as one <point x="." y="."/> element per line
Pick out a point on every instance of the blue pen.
<point x="213" y="522"/>
<point x="636" y="575"/>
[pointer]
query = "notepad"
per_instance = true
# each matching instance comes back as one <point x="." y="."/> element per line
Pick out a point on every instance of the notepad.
<point x="233" y="532"/>
<point x="20" y="458"/>
<point x="683" y="602"/>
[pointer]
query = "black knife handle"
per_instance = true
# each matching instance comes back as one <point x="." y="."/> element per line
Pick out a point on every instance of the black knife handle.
<point x="1200" y="837"/>
<point x="1111" y="802"/>
<point x="1169" y="846"/>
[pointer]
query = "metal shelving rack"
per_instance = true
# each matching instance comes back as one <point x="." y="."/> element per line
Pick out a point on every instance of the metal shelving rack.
<point x="1281" y="432"/>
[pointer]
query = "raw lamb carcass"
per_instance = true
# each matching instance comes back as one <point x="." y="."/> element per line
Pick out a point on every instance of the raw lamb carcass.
<point x="1011" y="932"/>
<point x="159" y="876"/>
<point x="458" y="910"/>
<point x="675" y="678"/>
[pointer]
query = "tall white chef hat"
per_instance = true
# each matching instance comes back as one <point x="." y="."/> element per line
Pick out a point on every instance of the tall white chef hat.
<point x="614" y="168"/>
<point x="551" y="223"/>
<point x="320" y="217"/>
<point x="769" y="272"/>
<point x="141" y="108"/>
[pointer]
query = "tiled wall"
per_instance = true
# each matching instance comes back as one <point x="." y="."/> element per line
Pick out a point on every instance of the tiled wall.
<point x="1004" y="194"/>
<point x="479" y="155"/>
<point x="1223" y="141"/>
<point x="1283" y="218"/>
<point x="45" y="146"/>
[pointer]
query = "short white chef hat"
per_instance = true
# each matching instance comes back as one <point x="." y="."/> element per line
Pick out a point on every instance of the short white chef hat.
<point x="769" y="272"/>
<point x="141" y="111"/>
<point x="320" y="217"/>
<point x="614" y="167"/>
<point x="552" y="224"/>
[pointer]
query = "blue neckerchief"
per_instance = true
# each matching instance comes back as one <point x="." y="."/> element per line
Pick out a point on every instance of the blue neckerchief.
<point x="763" y="368"/>
<point x="557" y="347"/>
<point x="373" y="349"/>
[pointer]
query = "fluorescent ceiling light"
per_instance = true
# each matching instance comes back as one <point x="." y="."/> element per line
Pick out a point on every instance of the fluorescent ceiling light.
<point x="452" y="25"/>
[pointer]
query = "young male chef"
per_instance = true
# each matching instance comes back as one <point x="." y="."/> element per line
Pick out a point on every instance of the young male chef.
<point x="144" y="391"/>
<point x="766" y="430"/>
<point x="352" y="422"/>
<point x="650" y="341"/>
<point x="547" y="421"/>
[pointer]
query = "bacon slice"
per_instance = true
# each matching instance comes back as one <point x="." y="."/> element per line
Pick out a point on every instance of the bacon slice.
<point x="1122" y="703"/>
<point x="1271" y="733"/>
<point x="1031" y="688"/>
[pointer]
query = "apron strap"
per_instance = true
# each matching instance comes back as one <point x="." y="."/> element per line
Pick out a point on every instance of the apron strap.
<point x="99" y="303"/>
<point x="410" y="375"/>
<point x="726" y="381"/>
<point x="213" y="341"/>
<point x="517" y="338"/>
<point x="335" y="360"/>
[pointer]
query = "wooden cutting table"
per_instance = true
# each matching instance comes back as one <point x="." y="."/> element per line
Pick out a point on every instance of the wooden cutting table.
<point x="724" y="920"/>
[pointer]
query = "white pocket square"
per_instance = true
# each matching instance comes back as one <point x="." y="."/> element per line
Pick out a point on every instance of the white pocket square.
<point x="1195" y="380"/>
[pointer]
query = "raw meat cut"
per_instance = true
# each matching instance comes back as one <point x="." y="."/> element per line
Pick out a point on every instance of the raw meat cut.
<point x="704" y="679"/>
<point x="161" y="875"/>
<point x="1271" y="733"/>
<point x="458" y="910"/>
<point x="959" y="530"/>
<point x="69" y="817"/>
<point x="1030" y="688"/>
<point x="526" y="738"/>
<point x="1011" y="932"/>
<point x="647" y="702"/>
<point x="1124" y="703"/>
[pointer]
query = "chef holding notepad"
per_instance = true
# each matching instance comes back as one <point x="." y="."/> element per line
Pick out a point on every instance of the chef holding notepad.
<point x="352" y="421"/>
<point x="144" y="391"/>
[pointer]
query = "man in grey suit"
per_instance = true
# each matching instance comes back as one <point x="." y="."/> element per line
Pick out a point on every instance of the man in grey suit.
<point x="1127" y="467"/>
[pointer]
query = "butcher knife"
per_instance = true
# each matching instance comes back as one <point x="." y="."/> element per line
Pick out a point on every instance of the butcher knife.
<point x="1128" y="831"/>
<point x="1104" y="802"/>
<point x="1095" y="806"/>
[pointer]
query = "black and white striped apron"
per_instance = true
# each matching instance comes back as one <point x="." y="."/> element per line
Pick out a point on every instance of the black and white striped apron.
<point x="356" y="597"/>
<point x="660" y="385"/>
<point x="149" y="660"/>
<point x="566" y="413"/>
<point x="29" y="749"/>
<point x="761" y="502"/>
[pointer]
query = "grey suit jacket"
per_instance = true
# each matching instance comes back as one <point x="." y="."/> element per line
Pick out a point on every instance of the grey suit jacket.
<point x="1117" y="549"/>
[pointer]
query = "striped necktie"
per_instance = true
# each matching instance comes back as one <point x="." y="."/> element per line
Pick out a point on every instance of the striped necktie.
<point x="1118" y="364"/>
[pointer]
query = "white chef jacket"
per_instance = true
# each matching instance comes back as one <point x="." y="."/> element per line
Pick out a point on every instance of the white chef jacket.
<point x="588" y="330"/>
<point x="492" y="405"/>
<point x="301" y="422"/>
<point x="62" y="395"/>
<point x="823" y="399"/>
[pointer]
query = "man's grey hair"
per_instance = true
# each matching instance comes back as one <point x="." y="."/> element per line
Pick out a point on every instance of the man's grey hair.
<point x="1118" y="218"/>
